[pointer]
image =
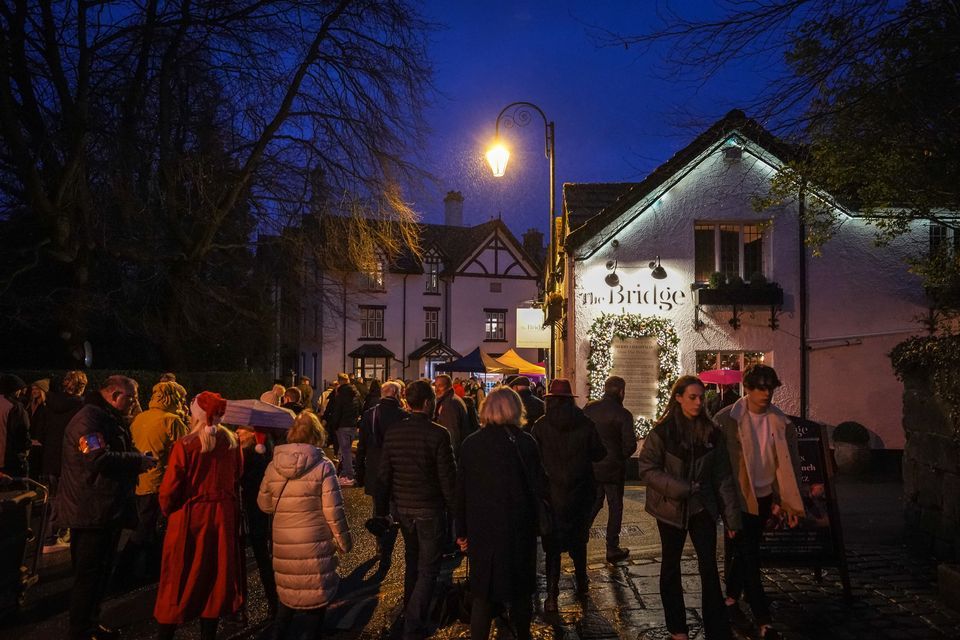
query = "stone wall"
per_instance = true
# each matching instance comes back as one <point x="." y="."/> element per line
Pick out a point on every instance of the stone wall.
<point x="931" y="470"/>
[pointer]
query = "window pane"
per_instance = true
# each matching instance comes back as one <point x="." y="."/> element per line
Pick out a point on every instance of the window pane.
<point x="704" y="255"/>
<point x="729" y="359"/>
<point x="938" y="237"/>
<point x="752" y="250"/>
<point x="706" y="360"/>
<point x="752" y="357"/>
<point x="730" y="249"/>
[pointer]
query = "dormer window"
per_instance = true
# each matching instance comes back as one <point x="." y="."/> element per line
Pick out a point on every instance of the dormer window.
<point x="431" y="269"/>
<point x="373" y="276"/>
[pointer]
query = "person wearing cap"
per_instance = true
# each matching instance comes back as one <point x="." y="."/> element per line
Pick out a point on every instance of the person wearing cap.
<point x="14" y="427"/>
<point x="154" y="431"/>
<point x="765" y="459"/>
<point x="201" y="573"/>
<point x="532" y="405"/>
<point x="569" y="444"/>
<point x="99" y="472"/>
<point x="615" y="426"/>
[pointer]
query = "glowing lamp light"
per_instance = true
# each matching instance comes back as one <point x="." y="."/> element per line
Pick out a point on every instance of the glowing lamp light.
<point x="497" y="156"/>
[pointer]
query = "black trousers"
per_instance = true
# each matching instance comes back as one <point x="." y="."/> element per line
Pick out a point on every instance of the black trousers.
<point x="424" y="533"/>
<point x="144" y="541"/>
<point x="309" y="622"/>
<point x="613" y="492"/>
<point x="482" y="612"/>
<point x="578" y="553"/>
<point x="92" y="552"/>
<point x="742" y="559"/>
<point x="703" y="533"/>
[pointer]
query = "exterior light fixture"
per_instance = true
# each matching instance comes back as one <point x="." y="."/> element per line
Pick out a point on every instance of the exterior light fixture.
<point x="612" y="278"/>
<point x="658" y="273"/>
<point x="497" y="156"/>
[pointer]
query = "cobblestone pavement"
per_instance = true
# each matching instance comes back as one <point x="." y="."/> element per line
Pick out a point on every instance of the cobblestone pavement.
<point x="894" y="593"/>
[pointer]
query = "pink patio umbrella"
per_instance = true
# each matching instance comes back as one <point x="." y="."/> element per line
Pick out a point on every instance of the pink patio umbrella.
<point x="722" y="376"/>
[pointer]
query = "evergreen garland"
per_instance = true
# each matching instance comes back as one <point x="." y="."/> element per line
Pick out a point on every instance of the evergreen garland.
<point x="632" y="325"/>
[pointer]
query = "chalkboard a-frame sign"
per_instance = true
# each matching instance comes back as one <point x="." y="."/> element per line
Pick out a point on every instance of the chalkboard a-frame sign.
<point x="816" y="541"/>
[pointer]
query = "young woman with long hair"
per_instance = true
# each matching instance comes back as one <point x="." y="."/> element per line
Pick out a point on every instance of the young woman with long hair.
<point x="685" y="466"/>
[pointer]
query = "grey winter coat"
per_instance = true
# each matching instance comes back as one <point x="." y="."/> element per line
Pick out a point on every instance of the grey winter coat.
<point x="670" y="468"/>
<point x="301" y="490"/>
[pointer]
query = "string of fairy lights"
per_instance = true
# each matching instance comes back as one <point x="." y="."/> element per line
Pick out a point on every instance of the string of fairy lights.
<point x="608" y="327"/>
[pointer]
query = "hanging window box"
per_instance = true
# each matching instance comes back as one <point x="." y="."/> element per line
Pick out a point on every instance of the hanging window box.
<point x="768" y="294"/>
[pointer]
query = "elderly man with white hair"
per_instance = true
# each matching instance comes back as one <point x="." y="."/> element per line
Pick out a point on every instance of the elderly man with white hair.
<point x="373" y="427"/>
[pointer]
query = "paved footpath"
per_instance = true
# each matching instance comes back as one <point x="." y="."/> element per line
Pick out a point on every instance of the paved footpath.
<point x="894" y="591"/>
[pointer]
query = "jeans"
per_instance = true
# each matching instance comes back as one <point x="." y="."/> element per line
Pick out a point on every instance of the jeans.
<point x="614" y="495"/>
<point x="482" y="612"/>
<point x="92" y="553"/>
<point x="309" y="622"/>
<point x="345" y="438"/>
<point x="424" y="532"/>
<point x="703" y="533"/>
<point x="742" y="556"/>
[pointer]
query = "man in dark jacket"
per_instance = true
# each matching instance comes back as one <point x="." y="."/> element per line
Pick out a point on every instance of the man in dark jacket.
<point x="341" y="417"/>
<point x="99" y="473"/>
<point x="615" y="426"/>
<point x="418" y="474"/>
<point x="451" y="412"/>
<point x="532" y="405"/>
<point x="373" y="427"/>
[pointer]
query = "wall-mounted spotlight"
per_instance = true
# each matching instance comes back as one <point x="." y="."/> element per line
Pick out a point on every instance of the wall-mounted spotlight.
<point x="612" y="278"/>
<point x="658" y="273"/>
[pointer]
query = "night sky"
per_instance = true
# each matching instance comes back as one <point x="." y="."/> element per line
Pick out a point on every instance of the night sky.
<point x="619" y="113"/>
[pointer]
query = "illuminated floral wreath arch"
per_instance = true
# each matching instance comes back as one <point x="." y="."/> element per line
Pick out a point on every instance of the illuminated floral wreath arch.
<point x="631" y="325"/>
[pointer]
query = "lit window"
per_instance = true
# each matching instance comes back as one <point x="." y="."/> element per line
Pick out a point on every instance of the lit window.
<point x="373" y="277"/>
<point x="739" y="360"/>
<point x="371" y="322"/>
<point x="432" y="269"/>
<point x="732" y="248"/>
<point x="371" y="368"/>
<point x="495" y="324"/>
<point x="431" y="324"/>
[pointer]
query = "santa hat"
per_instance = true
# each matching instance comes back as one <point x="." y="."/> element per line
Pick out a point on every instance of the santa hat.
<point x="208" y="408"/>
<point x="261" y="438"/>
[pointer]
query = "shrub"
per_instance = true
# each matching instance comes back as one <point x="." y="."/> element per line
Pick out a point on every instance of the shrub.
<point x="717" y="280"/>
<point x="852" y="432"/>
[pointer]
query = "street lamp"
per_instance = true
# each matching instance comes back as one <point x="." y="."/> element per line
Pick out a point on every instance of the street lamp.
<point x="518" y="114"/>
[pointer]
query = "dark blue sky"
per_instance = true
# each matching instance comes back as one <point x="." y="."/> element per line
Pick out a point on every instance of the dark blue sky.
<point x="618" y="113"/>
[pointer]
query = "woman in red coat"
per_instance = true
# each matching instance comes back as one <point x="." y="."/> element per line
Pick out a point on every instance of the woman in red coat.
<point x="201" y="571"/>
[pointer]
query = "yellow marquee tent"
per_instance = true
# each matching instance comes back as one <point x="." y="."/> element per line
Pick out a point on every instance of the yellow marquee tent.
<point x="512" y="359"/>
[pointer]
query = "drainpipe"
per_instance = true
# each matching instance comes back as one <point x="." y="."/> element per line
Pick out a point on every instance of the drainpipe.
<point x="804" y="352"/>
<point x="343" y="297"/>
<point x="403" y="341"/>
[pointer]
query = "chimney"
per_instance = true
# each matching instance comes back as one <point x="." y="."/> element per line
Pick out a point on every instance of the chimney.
<point x="533" y="244"/>
<point x="453" y="209"/>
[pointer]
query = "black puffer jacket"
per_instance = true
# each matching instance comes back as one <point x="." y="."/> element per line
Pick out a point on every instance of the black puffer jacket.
<point x="95" y="485"/>
<point x="417" y="469"/>
<point x="532" y="406"/>
<point x="343" y="410"/>
<point x="670" y="468"/>
<point x="615" y="426"/>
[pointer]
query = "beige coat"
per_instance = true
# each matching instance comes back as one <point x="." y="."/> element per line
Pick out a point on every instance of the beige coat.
<point x="301" y="489"/>
<point x="736" y="426"/>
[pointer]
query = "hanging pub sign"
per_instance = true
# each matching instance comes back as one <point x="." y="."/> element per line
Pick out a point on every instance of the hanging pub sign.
<point x="636" y="361"/>
<point x="530" y="330"/>
<point x="816" y="540"/>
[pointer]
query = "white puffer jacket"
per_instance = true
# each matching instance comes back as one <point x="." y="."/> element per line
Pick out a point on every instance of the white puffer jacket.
<point x="309" y="524"/>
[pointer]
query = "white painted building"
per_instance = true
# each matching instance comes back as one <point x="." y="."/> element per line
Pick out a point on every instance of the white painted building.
<point x="695" y="213"/>
<point x="408" y="315"/>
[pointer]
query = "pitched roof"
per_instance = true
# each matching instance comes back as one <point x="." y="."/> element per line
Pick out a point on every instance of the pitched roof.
<point x="433" y="348"/>
<point x="735" y="120"/>
<point x="583" y="200"/>
<point x="371" y="351"/>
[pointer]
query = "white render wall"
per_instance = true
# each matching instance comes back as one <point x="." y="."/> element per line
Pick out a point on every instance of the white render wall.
<point x="854" y="289"/>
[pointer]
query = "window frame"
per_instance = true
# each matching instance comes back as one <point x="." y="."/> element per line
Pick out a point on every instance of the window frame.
<point x="433" y="265"/>
<point x="376" y="323"/>
<point x="717" y="247"/>
<point x="495" y="325"/>
<point x="434" y="323"/>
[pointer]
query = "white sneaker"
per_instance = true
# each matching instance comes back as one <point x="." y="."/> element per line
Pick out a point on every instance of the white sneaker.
<point x="346" y="482"/>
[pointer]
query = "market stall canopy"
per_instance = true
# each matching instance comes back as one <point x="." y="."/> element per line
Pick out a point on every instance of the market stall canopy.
<point x="722" y="376"/>
<point x="477" y="362"/>
<point x="512" y="359"/>
<point x="254" y="413"/>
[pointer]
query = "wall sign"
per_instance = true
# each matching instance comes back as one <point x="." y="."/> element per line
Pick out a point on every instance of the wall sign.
<point x="636" y="360"/>
<point x="658" y="296"/>
<point x="530" y="329"/>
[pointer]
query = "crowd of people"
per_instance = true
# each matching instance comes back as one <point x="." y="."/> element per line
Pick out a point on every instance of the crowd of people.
<point x="451" y="468"/>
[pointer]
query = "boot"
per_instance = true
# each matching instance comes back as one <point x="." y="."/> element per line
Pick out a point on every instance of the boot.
<point x="553" y="583"/>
